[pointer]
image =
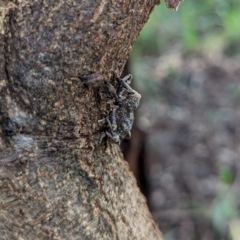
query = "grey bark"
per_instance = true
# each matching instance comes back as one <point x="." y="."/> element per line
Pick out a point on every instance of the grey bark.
<point x="56" y="180"/>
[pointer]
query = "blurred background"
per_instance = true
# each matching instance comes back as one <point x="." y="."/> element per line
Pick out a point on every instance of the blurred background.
<point x="185" y="145"/>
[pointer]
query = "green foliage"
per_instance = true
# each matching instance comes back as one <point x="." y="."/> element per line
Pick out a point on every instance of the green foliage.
<point x="191" y="27"/>
<point x="225" y="175"/>
<point x="224" y="209"/>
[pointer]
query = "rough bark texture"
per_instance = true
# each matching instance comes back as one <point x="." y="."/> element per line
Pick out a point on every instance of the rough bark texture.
<point x="56" y="180"/>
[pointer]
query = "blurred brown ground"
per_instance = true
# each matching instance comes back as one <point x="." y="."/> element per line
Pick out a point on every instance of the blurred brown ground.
<point x="185" y="147"/>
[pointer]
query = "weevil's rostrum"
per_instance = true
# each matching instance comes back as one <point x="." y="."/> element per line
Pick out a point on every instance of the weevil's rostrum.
<point x="119" y="123"/>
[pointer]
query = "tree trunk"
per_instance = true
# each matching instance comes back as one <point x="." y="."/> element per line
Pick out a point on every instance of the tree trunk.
<point x="57" y="180"/>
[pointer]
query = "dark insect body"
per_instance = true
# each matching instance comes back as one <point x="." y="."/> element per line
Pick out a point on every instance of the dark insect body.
<point x="119" y="123"/>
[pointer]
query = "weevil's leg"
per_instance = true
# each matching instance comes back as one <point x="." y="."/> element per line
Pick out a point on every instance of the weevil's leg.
<point x="120" y="93"/>
<point x="128" y="79"/>
<point x="111" y="89"/>
<point x="110" y="136"/>
<point x="124" y="82"/>
<point x="109" y="125"/>
<point x="102" y="122"/>
<point x="115" y="137"/>
<point x="114" y="122"/>
<point x="121" y="97"/>
<point x="102" y="136"/>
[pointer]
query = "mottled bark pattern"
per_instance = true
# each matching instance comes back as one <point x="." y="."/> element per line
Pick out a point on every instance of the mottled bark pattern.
<point x="64" y="196"/>
<point x="56" y="180"/>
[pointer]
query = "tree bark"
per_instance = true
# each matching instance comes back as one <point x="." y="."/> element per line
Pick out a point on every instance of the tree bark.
<point x="57" y="180"/>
